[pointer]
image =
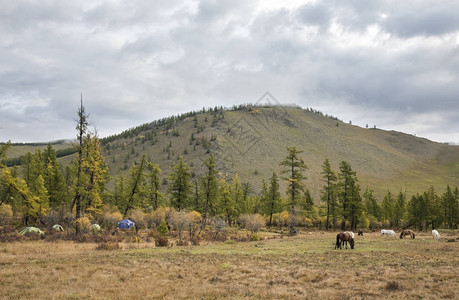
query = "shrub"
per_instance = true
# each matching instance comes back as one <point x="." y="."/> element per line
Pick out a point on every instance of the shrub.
<point x="255" y="222"/>
<point x="108" y="246"/>
<point x="111" y="219"/>
<point x="6" y="214"/>
<point x="139" y="218"/>
<point x="162" y="229"/>
<point x="161" y="241"/>
<point x="84" y="224"/>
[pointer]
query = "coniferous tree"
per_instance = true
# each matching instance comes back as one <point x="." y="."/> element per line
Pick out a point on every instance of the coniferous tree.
<point x="209" y="188"/>
<point x="240" y="203"/>
<point x="227" y="204"/>
<point x="78" y="186"/>
<point x="272" y="199"/>
<point x="294" y="166"/>
<point x="155" y="195"/>
<point x="136" y="183"/>
<point x="54" y="179"/>
<point x="387" y="207"/>
<point x="180" y="187"/>
<point x="328" y="194"/>
<point x="371" y="204"/>
<point x="349" y="192"/>
<point x="308" y="204"/>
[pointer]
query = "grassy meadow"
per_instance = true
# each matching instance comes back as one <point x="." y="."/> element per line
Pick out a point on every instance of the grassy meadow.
<point x="301" y="267"/>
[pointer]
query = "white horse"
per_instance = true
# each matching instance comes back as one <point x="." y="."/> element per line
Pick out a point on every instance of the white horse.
<point x="435" y="235"/>
<point x="388" y="232"/>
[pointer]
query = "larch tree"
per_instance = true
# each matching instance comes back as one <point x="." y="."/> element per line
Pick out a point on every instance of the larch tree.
<point x="328" y="194"/>
<point x="180" y="187"/>
<point x="136" y="183"/>
<point x="349" y="195"/>
<point x="78" y="186"/>
<point x="294" y="167"/>
<point x="54" y="179"/>
<point x="154" y="185"/>
<point x="209" y="188"/>
<point x="273" y="199"/>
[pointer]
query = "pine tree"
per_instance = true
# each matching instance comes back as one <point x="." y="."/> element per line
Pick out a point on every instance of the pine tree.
<point x="227" y="204"/>
<point x="387" y="207"/>
<point x="54" y="179"/>
<point x="209" y="187"/>
<point x="240" y="203"/>
<point x="136" y="182"/>
<point x="78" y="187"/>
<point x="349" y="192"/>
<point x="155" y="195"/>
<point x="328" y="194"/>
<point x="294" y="168"/>
<point x="308" y="204"/>
<point x="371" y="204"/>
<point x="180" y="187"/>
<point x="272" y="201"/>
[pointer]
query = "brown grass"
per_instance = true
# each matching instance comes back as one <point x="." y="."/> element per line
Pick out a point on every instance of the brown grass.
<point x="303" y="267"/>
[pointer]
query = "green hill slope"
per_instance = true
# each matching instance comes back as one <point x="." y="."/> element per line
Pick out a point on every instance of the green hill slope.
<point x="252" y="142"/>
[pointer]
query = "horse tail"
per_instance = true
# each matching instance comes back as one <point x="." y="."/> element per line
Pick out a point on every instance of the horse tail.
<point x="413" y="235"/>
<point x="401" y="235"/>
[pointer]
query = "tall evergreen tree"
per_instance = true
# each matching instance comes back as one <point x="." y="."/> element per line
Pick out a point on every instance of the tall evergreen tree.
<point x="387" y="206"/>
<point x="78" y="186"/>
<point x="155" y="195"/>
<point x="136" y="183"/>
<point x="371" y="204"/>
<point x="209" y="188"/>
<point x="180" y="188"/>
<point x="328" y="194"/>
<point x="351" y="201"/>
<point x="54" y="179"/>
<point x="272" y="199"/>
<point x="294" y="166"/>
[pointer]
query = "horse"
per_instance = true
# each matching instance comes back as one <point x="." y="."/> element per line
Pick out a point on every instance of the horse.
<point x="407" y="232"/>
<point x="435" y="235"/>
<point x="360" y="233"/>
<point x="351" y="234"/>
<point x="388" y="232"/>
<point x="343" y="237"/>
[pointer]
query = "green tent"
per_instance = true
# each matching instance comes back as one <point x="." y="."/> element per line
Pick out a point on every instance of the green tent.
<point x="95" y="227"/>
<point x="58" y="228"/>
<point x="31" y="230"/>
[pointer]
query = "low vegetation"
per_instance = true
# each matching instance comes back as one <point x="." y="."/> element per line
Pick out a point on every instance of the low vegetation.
<point x="302" y="267"/>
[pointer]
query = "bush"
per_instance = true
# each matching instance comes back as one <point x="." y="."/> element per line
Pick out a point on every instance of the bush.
<point x="6" y="214"/>
<point x="162" y="229"/>
<point x="111" y="219"/>
<point x="161" y="241"/>
<point x="84" y="224"/>
<point x="139" y="218"/>
<point x="108" y="246"/>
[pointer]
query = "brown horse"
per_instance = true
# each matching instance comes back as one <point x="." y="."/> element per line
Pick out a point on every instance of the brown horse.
<point x="407" y="232"/>
<point x="344" y="237"/>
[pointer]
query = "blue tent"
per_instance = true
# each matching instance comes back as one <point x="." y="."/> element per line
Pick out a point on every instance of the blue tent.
<point x="125" y="224"/>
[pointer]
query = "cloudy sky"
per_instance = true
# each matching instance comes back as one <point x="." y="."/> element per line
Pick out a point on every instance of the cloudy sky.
<point x="393" y="64"/>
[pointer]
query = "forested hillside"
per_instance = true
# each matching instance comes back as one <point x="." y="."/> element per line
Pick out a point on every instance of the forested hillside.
<point x="230" y="162"/>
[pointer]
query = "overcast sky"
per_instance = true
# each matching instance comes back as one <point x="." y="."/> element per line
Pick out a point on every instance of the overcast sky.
<point x="393" y="64"/>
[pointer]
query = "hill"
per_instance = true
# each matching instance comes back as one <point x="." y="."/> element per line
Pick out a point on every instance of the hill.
<point x="251" y="142"/>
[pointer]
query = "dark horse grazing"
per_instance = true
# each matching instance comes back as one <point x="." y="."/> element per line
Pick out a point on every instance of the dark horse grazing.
<point x="360" y="232"/>
<point x="407" y="232"/>
<point x="344" y="237"/>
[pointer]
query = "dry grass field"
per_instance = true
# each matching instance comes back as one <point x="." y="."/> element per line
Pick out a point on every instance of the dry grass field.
<point x="301" y="267"/>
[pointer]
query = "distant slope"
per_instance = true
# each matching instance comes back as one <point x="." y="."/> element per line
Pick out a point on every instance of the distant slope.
<point x="252" y="142"/>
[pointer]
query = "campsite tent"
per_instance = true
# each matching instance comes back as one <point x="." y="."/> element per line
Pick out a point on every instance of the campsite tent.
<point x="31" y="230"/>
<point x="57" y="228"/>
<point x="125" y="224"/>
<point x="95" y="227"/>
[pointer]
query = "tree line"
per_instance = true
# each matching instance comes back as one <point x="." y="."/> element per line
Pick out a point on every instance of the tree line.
<point x="42" y="186"/>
